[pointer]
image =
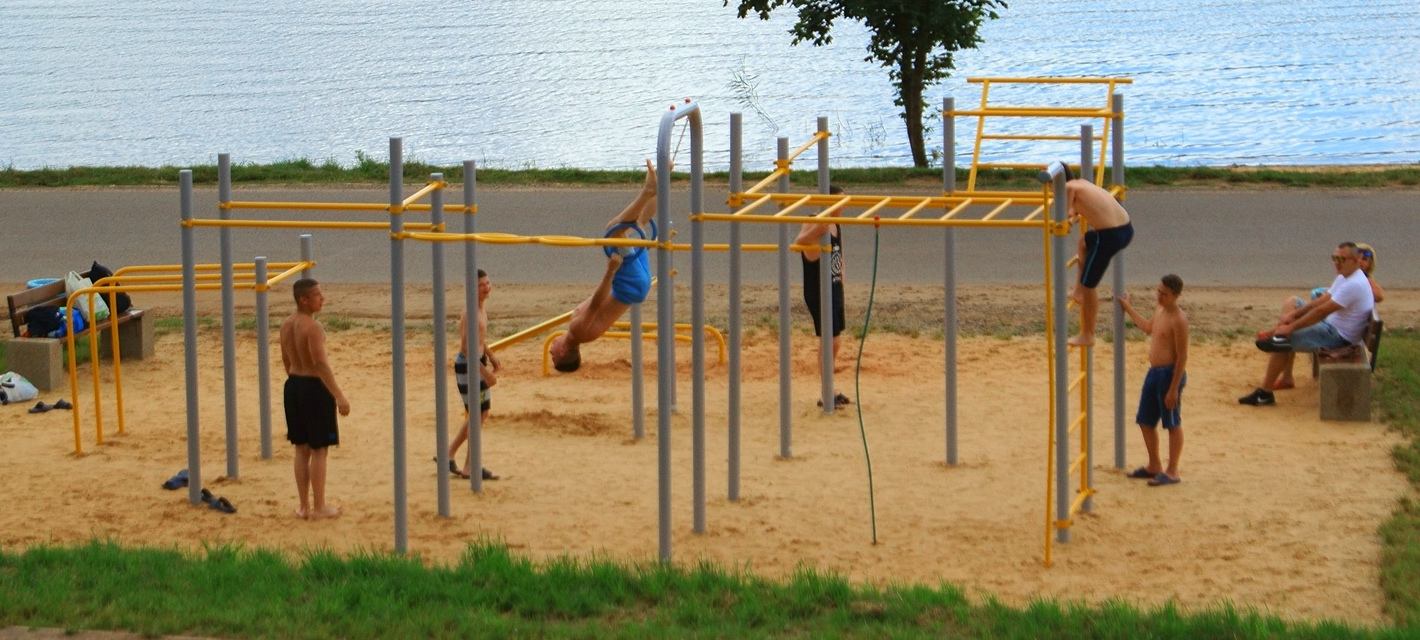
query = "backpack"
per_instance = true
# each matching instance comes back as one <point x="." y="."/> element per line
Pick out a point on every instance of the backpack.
<point x="121" y="301"/>
<point x="42" y="321"/>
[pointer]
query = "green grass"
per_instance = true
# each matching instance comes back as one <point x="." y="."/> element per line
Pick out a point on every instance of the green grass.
<point x="229" y="591"/>
<point x="366" y="170"/>
<point x="1399" y="399"/>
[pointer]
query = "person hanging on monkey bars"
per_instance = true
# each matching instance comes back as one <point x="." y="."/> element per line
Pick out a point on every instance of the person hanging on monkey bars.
<point x="626" y="281"/>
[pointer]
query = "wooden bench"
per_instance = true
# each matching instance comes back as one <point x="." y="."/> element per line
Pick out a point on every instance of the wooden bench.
<point x="1346" y="379"/>
<point x="40" y="360"/>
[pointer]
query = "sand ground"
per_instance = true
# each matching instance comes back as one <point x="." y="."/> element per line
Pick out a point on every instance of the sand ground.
<point x="1278" y="509"/>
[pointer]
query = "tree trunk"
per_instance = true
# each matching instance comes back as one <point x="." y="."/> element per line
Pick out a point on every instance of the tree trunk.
<point x="911" y="94"/>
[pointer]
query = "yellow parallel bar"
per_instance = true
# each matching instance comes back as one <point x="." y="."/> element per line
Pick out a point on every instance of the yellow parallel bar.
<point x="1023" y="136"/>
<point x="322" y="206"/>
<point x="873" y="210"/>
<point x="680" y="326"/>
<point x="913" y="211"/>
<point x="301" y="224"/>
<point x="151" y="268"/>
<point x="554" y="241"/>
<point x="419" y="195"/>
<point x="790" y="208"/>
<point x="289" y="273"/>
<point x="891" y="222"/>
<point x="773" y="175"/>
<point x="904" y="202"/>
<point x="1094" y="80"/>
<point x="645" y="335"/>
<point x="529" y="332"/>
<point x="1080" y="499"/>
<point x="997" y="211"/>
<point x="761" y="200"/>
<point x="818" y="135"/>
<point x="448" y="208"/>
<point x="1037" y="112"/>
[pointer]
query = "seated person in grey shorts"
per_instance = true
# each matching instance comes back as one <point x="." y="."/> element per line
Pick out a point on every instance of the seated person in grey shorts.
<point x="1334" y="319"/>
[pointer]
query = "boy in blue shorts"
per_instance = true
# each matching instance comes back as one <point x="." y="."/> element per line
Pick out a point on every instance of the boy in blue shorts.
<point x="1160" y="401"/>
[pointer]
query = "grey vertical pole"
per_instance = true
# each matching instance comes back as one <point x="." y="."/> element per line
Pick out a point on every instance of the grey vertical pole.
<point x="1058" y="251"/>
<point x="949" y="284"/>
<point x="786" y="429"/>
<point x="189" y="336"/>
<point x="1117" y="267"/>
<point x="736" y="274"/>
<point x="263" y="356"/>
<point x="441" y="338"/>
<point x="665" y="339"/>
<point x="475" y="348"/>
<point x="825" y="285"/>
<point x="306" y="255"/>
<point x="1087" y="171"/>
<point x="697" y="324"/>
<point x="397" y="390"/>
<point x="1087" y="164"/>
<point x="638" y="375"/>
<point x="229" y="320"/>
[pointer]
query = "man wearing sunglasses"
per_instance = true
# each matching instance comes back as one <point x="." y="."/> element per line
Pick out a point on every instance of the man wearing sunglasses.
<point x="1334" y="319"/>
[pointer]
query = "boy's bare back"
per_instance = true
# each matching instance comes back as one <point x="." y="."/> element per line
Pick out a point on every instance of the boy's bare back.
<point x="1095" y="205"/>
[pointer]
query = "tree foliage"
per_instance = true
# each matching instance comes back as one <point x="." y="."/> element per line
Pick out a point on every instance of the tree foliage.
<point x="914" y="39"/>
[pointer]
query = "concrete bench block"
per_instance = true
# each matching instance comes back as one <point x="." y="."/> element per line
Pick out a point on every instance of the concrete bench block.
<point x="135" y="339"/>
<point x="1346" y="391"/>
<point x="39" y="360"/>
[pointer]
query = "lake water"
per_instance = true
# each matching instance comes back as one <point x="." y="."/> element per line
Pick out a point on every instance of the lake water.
<point x="549" y="83"/>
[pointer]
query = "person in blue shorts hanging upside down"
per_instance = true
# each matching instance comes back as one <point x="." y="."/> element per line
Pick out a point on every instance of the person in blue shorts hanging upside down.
<point x="626" y="282"/>
<point x="1110" y="232"/>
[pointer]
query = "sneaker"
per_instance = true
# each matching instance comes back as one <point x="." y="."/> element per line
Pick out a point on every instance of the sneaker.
<point x="1275" y="344"/>
<point x="1258" y="398"/>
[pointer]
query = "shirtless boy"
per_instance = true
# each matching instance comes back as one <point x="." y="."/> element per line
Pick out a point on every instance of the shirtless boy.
<point x="311" y="397"/>
<point x="1110" y="232"/>
<point x="488" y="367"/>
<point x="1168" y="356"/>
<point x="626" y="282"/>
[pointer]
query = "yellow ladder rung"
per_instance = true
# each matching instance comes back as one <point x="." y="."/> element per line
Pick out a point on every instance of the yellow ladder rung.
<point x="1075" y="384"/>
<point x="1078" y="421"/>
<point x="1080" y="499"/>
<point x="1075" y="466"/>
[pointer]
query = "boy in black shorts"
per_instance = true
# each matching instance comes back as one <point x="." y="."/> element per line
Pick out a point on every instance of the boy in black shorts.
<point x="810" y="234"/>
<point x="311" y="398"/>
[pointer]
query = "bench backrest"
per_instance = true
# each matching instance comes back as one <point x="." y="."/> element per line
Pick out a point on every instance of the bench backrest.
<point x="50" y="295"/>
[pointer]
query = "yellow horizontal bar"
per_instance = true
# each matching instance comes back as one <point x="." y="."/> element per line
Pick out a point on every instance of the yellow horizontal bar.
<point x="773" y="175"/>
<point x="890" y="222"/>
<point x="325" y="206"/>
<point x="1035" y="112"/>
<point x="1080" y="499"/>
<point x="1022" y="136"/>
<point x="818" y="135"/>
<point x="419" y="195"/>
<point x="1052" y="80"/>
<point x="509" y="238"/>
<point x="289" y="273"/>
<point x="302" y="224"/>
<point x="152" y="268"/>
<point x="448" y="208"/>
<point x="905" y="202"/>
<point x="529" y="332"/>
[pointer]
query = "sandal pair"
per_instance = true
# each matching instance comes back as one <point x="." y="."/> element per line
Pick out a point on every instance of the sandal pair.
<point x="217" y="503"/>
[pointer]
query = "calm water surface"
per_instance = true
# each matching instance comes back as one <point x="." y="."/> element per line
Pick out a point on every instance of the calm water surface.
<point x="520" y="83"/>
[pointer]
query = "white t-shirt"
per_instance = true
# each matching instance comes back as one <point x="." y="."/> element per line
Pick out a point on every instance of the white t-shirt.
<point x="1356" y="300"/>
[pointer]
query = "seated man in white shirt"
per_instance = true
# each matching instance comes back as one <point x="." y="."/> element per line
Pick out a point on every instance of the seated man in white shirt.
<point x="1334" y="319"/>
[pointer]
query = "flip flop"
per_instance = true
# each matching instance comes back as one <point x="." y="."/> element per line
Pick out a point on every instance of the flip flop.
<point x="453" y="469"/>
<point x="41" y="407"/>
<point x="840" y="401"/>
<point x="207" y="496"/>
<point x="178" y="481"/>
<point x="1163" y="479"/>
<point x="221" y="504"/>
<point x="1140" y="474"/>
<point x="62" y="404"/>
<point x="488" y="475"/>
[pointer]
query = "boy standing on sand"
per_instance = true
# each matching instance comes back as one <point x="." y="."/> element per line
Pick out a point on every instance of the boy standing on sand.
<point x="488" y="367"/>
<point x="311" y="398"/>
<point x="1168" y="355"/>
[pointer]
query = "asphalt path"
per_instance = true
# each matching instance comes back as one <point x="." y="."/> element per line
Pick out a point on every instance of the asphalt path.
<point x="1279" y="237"/>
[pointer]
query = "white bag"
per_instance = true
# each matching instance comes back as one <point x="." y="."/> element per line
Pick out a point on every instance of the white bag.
<point x="74" y="282"/>
<point x="15" y="388"/>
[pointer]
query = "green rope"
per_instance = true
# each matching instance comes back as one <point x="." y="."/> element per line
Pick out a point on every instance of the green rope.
<point x="858" y="392"/>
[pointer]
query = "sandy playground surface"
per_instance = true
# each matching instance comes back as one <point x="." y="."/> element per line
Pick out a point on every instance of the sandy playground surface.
<point x="1278" y="510"/>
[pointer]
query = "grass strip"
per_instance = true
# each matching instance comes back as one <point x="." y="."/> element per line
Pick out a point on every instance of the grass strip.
<point x="1398" y="377"/>
<point x="229" y="591"/>
<point x="366" y="170"/>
